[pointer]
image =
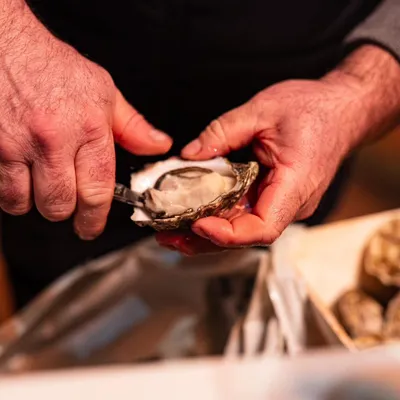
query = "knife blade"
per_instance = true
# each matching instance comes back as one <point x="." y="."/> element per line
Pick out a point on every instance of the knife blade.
<point x="128" y="196"/>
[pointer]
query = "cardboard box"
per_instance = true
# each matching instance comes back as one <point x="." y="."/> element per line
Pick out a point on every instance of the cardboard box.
<point x="329" y="258"/>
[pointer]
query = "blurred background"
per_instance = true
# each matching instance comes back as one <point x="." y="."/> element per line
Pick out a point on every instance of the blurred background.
<point x="374" y="184"/>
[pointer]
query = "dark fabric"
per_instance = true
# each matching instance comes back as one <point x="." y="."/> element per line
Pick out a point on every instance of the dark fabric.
<point x="180" y="63"/>
<point x="381" y="28"/>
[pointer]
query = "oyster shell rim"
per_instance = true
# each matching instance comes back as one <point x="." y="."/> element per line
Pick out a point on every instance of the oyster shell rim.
<point x="246" y="173"/>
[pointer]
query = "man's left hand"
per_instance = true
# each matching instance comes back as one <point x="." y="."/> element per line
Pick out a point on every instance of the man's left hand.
<point x="301" y="131"/>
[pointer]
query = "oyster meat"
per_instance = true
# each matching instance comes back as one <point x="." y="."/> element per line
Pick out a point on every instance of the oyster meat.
<point x="177" y="192"/>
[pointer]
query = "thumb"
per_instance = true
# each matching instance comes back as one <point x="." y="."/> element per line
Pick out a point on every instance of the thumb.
<point x="231" y="131"/>
<point x="134" y="133"/>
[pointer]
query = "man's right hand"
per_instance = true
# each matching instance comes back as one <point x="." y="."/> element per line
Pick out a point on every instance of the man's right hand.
<point x="59" y="116"/>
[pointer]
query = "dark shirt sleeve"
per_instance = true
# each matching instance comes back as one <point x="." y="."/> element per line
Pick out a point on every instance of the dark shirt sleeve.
<point x="382" y="28"/>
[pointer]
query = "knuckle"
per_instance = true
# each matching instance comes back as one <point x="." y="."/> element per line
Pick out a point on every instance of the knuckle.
<point x="56" y="213"/>
<point x="133" y="122"/>
<point x="97" y="166"/>
<point x="216" y="133"/>
<point x="45" y="131"/>
<point x="61" y="190"/>
<point x="103" y="171"/>
<point x="14" y="188"/>
<point x="96" y="197"/>
<point x="106" y="77"/>
<point x="96" y="126"/>
<point x="59" y="199"/>
<point x="14" y="200"/>
<point x="40" y="120"/>
<point x="265" y="107"/>
<point x="103" y="91"/>
<point x="260" y="101"/>
<point x="17" y="209"/>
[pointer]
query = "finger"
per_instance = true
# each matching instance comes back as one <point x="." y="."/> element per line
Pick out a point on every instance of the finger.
<point x="15" y="188"/>
<point x="54" y="185"/>
<point x="231" y="131"/>
<point x="276" y="208"/>
<point x="245" y="230"/>
<point x="187" y="243"/>
<point x="134" y="133"/>
<point x="95" y="177"/>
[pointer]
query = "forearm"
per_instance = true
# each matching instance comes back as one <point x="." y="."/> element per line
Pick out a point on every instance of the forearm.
<point x="374" y="75"/>
<point x="27" y="48"/>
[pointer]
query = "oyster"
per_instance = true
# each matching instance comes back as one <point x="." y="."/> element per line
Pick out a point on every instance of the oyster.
<point x="365" y="342"/>
<point x="382" y="258"/>
<point x="392" y="323"/>
<point x="177" y="192"/>
<point x="360" y="314"/>
<point x="380" y="270"/>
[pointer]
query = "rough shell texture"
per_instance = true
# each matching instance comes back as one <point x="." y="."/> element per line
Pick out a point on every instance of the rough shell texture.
<point x="392" y="323"/>
<point x="360" y="314"/>
<point x="245" y="174"/>
<point x="365" y="342"/>
<point x="382" y="254"/>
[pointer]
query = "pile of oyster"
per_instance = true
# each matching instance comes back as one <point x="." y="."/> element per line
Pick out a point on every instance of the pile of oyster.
<point x="371" y="312"/>
<point x="177" y="192"/>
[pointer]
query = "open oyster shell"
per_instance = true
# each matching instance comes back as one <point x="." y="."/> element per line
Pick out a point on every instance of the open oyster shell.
<point x="178" y="192"/>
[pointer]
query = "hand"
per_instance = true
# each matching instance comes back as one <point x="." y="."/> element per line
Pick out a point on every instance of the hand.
<point x="300" y="131"/>
<point x="60" y="114"/>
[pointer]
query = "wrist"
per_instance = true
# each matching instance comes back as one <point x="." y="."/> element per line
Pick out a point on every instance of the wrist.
<point x="370" y="78"/>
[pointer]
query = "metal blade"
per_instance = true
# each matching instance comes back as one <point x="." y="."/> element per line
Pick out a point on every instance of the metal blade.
<point x="125" y="195"/>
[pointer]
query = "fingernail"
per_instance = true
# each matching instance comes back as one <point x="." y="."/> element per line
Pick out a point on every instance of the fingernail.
<point x="158" y="136"/>
<point x="192" y="148"/>
<point x="84" y="236"/>
<point x="200" y="232"/>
